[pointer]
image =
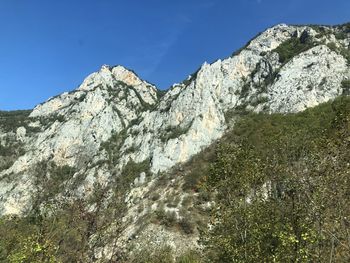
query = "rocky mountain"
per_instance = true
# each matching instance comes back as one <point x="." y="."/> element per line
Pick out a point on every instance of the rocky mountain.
<point x="120" y="138"/>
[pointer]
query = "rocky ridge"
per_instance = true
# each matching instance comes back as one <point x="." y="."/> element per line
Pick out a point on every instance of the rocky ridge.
<point x="115" y="118"/>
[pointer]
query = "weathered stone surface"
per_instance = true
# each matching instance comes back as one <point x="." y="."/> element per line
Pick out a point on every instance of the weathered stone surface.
<point x="80" y="128"/>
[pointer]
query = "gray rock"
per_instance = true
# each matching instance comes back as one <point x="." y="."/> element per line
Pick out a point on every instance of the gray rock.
<point x="80" y="128"/>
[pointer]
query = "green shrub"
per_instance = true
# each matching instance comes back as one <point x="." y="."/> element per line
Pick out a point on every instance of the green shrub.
<point x="51" y="179"/>
<point x="161" y="93"/>
<point x="204" y="196"/>
<point x="155" y="196"/>
<point x="113" y="145"/>
<point x="189" y="257"/>
<point x="11" y="149"/>
<point x="340" y="35"/>
<point x="11" y="120"/>
<point x="245" y="90"/>
<point x="167" y="219"/>
<point x="292" y="47"/>
<point x="172" y="132"/>
<point x="192" y="180"/>
<point x="132" y="170"/>
<point x="151" y="255"/>
<point x="186" y="225"/>
<point x="345" y="84"/>
<point x="164" y="254"/>
<point x="82" y="97"/>
<point x="345" y="52"/>
<point x="197" y="169"/>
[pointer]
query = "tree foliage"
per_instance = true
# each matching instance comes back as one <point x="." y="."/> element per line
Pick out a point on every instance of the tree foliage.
<point x="280" y="184"/>
<point x="282" y="187"/>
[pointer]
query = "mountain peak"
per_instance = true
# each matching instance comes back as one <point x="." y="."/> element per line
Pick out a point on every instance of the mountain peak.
<point x="113" y="127"/>
<point x="113" y="81"/>
<point x="110" y="75"/>
<point x="126" y="75"/>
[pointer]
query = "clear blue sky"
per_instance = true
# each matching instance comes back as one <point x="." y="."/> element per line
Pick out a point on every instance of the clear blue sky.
<point x="49" y="46"/>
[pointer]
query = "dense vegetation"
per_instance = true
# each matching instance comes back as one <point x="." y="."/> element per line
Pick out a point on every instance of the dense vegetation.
<point x="280" y="184"/>
<point x="11" y="120"/>
<point x="10" y="148"/>
<point x="281" y="187"/>
<point x="66" y="231"/>
<point x="293" y="46"/>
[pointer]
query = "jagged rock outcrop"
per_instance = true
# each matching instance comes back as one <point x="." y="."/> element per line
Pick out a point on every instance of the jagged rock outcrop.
<point x="115" y="117"/>
<point x="196" y="108"/>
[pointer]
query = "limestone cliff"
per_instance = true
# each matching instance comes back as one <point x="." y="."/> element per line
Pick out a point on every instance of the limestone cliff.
<point x="115" y="118"/>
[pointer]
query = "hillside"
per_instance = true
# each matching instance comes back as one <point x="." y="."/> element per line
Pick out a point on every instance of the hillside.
<point x="235" y="159"/>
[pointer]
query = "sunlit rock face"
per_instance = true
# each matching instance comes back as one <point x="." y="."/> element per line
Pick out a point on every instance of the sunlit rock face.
<point x="79" y="128"/>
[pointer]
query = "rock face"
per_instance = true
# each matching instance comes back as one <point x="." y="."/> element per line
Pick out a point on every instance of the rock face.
<point x="114" y="117"/>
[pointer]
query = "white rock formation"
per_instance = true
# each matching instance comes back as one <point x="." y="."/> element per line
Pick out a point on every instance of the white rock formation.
<point x="80" y="128"/>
